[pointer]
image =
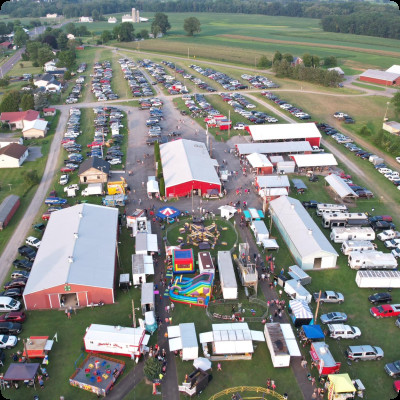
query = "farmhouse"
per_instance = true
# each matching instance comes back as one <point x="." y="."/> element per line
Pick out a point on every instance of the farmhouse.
<point x="301" y="147"/>
<point x="308" y="245"/>
<point x="112" y="20"/>
<point x="187" y="167"/>
<point x="50" y="66"/>
<point x="381" y="77"/>
<point x="285" y="132"/>
<point x="34" y="129"/>
<point x="94" y="170"/>
<point x="48" y="82"/>
<point x="75" y="264"/>
<point x="18" y="119"/>
<point x="51" y="15"/>
<point x="85" y="19"/>
<point x="391" y="127"/>
<point x="338" y="70"/>
<point x="13" y="155"/>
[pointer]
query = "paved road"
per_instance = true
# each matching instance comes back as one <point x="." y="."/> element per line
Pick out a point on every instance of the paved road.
<point x="8" y="65"/>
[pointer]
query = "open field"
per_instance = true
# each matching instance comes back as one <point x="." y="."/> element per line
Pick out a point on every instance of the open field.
<point x="365" y="85"/>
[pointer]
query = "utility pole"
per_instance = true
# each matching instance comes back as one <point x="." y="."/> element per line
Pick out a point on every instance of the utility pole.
<point x="188" y="53"/>
<point x="316" y="311"/>
<point x="133" y="314"/>
<point x="229" y="123"/>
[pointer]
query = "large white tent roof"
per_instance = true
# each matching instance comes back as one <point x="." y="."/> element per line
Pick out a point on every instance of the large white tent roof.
<point x="274" y="147"/>
<point x="185" y="161"/>
<point x="340" y="186"/>
<point x="315" y="160"/>
<point x="258" y="160"/>
<point x="272" y="181"/>
<point x="78" y="247"/>
<point x="284" y="132"/>
<point x="300" y="227"/>
<point x="395" y="69"/>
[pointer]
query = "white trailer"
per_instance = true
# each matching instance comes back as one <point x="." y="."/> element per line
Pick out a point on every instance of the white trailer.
<point x="323" y="207"/>
<point x="93" y="189"/>
<point x="357" y="245"/>
<point x="344" y="220"/>
<point x="205" y="262"/>
<point x="299" y="275"/>
<point x="285" y="167"/>
<point x="260" y="231"/>
<point x="340" y="235"/>
<point x="295" y="290"/>
<point x="378" y="279"/>
<point x="371" y="260"/>
<point x="227" y="275"/>
<point x="128" y="342"/>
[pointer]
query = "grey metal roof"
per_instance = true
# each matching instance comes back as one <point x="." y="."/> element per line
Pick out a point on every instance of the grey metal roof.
<point x="340" y="186"/>
<point x="300" y="227"/>
<point x="377" y="74"/>
<point x="226" y="270"/>
<point x="95" y="162"/>
<point x="147" y="293"/>
<point x="188" y="335"/>
<point x="274" y="147"/>
<point x="78" y="247"/>
<point x="7" y="205"/>
<point x="299" y="184"/>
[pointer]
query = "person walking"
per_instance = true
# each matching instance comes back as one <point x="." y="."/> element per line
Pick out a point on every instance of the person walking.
<point x="219" y="367"/>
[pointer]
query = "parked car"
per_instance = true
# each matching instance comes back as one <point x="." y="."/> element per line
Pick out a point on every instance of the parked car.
<point x="364" y="353"/>
<point x="310" y="204"/>
<point x="385" y="310"/>
<point x="333" y="317"/>
<point x="393" y="369"/>
<point x="380" y="298"/>
<point x="27" y="252"/>
<point x="10" y="328"/>
<point x="32" y="241"/>
<point x="8" y="342"/>
<point x="64" y="179"/>
<point x="19" y="282"/>
<point x="13" y="316"/>
<point x="26" y="264"/>
<point x="340" y="331"/>
<point x="329" y="296"/>
<point x="15" y="292"/>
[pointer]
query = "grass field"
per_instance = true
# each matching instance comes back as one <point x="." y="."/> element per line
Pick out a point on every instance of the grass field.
<point x="255" y="35"/>
<point x="366" y="86"/>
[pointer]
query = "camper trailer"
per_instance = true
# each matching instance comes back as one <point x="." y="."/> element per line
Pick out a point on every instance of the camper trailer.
<point x="378" y="279"/>
<point x="340" y="235"/>
<point x="344" y="220"/>
<point x="371" y="260"/>
<point x="330" y="208"/>
<point x="357" y="245"/>
<point x="260" y="231"/>
<point x="295" y="290"/>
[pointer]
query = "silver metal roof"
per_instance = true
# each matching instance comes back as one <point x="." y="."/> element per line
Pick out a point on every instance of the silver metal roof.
<point x="340" y="186"/>
<point x="377" y="74"/>
<point x="7" y="205"/>
<point x="274" y="147"/>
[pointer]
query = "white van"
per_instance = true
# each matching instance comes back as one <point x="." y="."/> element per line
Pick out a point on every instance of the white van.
<point x="9" y="304"/>
<point x="357" y="245"/>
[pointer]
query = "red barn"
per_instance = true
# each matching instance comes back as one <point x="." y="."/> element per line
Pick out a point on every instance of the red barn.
<point x="187" y="167"/>
<point x="380" y="77"/>
<point x="75" y="264"/>
<point x="285" y="133"/>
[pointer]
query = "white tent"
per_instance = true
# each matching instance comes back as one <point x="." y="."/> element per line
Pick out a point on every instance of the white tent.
<point x="147" y="298"/>
<point x="183" y="337"/>
<point x="258" y="160"/>
<point x="152" y="185"/>
<point x="146" y="243"/>
<point x="142" y="265"/>
<point x="227" y="212"/>
<point x="315" y="160"/>
<point x="340" y="186"/>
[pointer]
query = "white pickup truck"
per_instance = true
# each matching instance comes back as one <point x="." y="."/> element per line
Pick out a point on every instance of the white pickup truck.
<point x="388" y="235"/>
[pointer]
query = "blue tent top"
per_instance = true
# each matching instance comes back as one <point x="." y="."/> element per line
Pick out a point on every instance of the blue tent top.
<point x="183" y="254"/>
<point x="168" y="212"/>
<point x="313" y="332"/>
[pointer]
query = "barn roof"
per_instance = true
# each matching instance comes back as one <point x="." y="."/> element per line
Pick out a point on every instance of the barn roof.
<point x="283" y="131"/>
<point x="78" y="247"/>
<point x="383" y="75"/>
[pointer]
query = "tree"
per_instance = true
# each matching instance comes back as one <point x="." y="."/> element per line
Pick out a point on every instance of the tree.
<point x="277" y="57"/>
<point x="20" y="37"/>
<point x="44" y="54"/>
<point x="396" y="102"/>
<point x="51" y="41"/>
<point x="124" y="32"/>
<point x="66" y="59"/>
<point x="263" y="62"/>
<point x="106" y="36"/>
<point x="95" y="15"/>
<point x="192" y="26"/>
<point x="40" y="100"/>
<point x="160" y="20"/>
<point x="82" y="31"/>
<point x="152" y="369"/>
<point x="365" y="131"/>
<point x="31" y="178"/>
<point x="27" y="102"/>
<point x="4" y="82"/>
<point x="144" y="33"/>
<point x="10" y="102"/>
<point x="62" y="41"/>
<point x="70" y="28"/>
<point x="330" y="62"/>
<point x="307" y="60"/>
<point x="67" y="75"/>
<point x="288" y="57"/>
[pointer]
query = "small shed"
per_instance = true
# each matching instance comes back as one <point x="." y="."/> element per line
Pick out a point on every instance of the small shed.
<point x="142" y="265"/>
<point x="285" y="167"/>
<point x="227" y="212"/>
<point x="146" y="243"/>
<point x="7" y="209"/>
<point x="227" y="275"/>
<point x="295" y="290"/>
<point x="299" y="185"/>
<point x="300" y="313"/>
<point x="147" y="298"/>
<point x="205" y="262"/>
<point x="299" y="275"/>
<point x="392" y="127"/>
<point x="183" y="337"/>
<point x="260" y="164"/>
<point x="260" y="231"/>
<point x="338" y="70"/>
<point x="94" y="170"/>
<point x="340" y="187"/>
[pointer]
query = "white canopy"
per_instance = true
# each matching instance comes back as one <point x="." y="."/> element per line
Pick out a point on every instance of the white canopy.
<point x="300" y="309"/>
<point x="258" y="160"/>
<point x="270" y="244"/>
<point x="227" y="211"/>
<point x="315" y="160"/>
<point x="291" y="341"/>
<point x="202" y="363"/>
<point x="340" y="186"/>
<point x="152" y="187"/>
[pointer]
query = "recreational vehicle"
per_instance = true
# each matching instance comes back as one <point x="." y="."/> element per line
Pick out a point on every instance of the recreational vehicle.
<point x="331" y="208"/>
<point x="357" y="245"/>
<point x="378" y="279"/>
<point x="344" y="220"/>
<point x="340" y="235"/>
<point x="371" y="260"/>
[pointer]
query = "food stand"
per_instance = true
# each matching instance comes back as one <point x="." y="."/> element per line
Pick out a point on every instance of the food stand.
<point x="340" y="387"/>
<point x="323" y="359"/>
<point x="37" y="347"/>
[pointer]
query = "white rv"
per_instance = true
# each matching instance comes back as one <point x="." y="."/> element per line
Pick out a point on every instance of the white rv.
<point x="344" y="220"/>
<point x="340" y="235"/>
<point x="260" y="231"/>
<point x="378" y="279"/>
<point x="330" y="208"/>
<point x="357" y="245"/>
<point x="371" y="260"/>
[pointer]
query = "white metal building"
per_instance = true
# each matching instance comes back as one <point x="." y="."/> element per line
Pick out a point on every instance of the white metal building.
<point x="314" y="160"/>
<point x="146" y="243"/>
<point x="142" y="265"/>
<point x="274" y="147"/>
<point x="340" y="187"/>
<point x="183" y="337"/>
<point x="308" y="245"/>
<point x="227" y="275"/>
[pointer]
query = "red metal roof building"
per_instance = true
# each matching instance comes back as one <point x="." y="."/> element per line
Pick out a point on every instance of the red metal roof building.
<point x="16" y="119"/>
<point x="380" y="77"/>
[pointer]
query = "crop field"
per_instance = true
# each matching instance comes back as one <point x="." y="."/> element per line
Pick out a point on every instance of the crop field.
<point x="255" y="35"/>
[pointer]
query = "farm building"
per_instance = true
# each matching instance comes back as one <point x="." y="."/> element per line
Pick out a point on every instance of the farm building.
<point x="301" y="147"/>
<point x="285" y="132"/>
<point x="75" y="264"/>
<point x="391" y="127"/>
<point x="340" y="187"/>
<point x="272" y="182"/>
<point x="18" y="119"/>
<point x="49" y="112"/>
<point x="394" y="69"/>
<point x="13" y="155"/>
<point x="308" y="245"/>
<point x="319" y="160"/>
<point x="34" y="129"/>
<point x="338" y="70"/>
<point x="187" y="167"/>
<point x="260" y="164"/>
<point x="94" y="170"/>
<point x="7" y="209"/>
<point x="381" y="77"/>
<point x="146" y="243"/>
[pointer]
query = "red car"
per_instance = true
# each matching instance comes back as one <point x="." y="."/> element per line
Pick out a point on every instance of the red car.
<point x="67" y="169"/>
<point x="46" y="216"/>
<point x="13" y="316"/>
<point x="65" y="141"/>
<point x="385" y="310"/>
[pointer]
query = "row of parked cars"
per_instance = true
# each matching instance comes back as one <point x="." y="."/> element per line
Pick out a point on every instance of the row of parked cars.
<point x="295" y="111"/>
<point x="246" y="109"/>
<point x="76" y="91"/>
<point x="137" y="82"/>
<point x="341" y="116"/>
<point x="227" y="82"/>
<point x="101" y="81"/>
<point x="259" y="82"/>
<point x="197" y="81"/>
<point x="199" y="106"/>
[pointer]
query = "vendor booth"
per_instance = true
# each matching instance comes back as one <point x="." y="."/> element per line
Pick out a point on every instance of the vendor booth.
<point x="300" y="313"/>
<point x="299" y="275"/>
<point x="312" y="333"/>
<point x="147" y="298"/>
<point x="20" y="372"/>
<point x="323" y="358"/>
<point x="152" y="187"/>
<point x="168" y="213"/>
<point x="140" y="224"/>
<point x="150" y="322"/>
<point x="37" y="347"/>
<point x="253" y="214"/>
<point x="341" y="387"/>
<point x="227" y="212"/>
<point x="142" y="265"/>
<point x="146" y="243"/>
<point x="183" y="338"/>
<point x="130" y="219"/>
<point x="97" y="374"/>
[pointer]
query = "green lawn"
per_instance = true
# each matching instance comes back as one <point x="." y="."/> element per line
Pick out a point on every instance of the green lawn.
<point x="27" y="68"/>
<point x="366" y="86"/>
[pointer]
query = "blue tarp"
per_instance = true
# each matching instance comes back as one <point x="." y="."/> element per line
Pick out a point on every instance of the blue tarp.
<point x="313" y="332"/>
<point x="168" y="212"/>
